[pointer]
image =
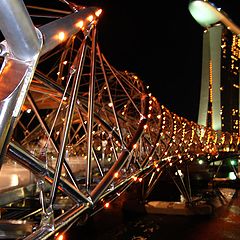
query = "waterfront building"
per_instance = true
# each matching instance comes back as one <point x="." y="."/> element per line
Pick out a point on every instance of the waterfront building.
<point x="219" y="97"/>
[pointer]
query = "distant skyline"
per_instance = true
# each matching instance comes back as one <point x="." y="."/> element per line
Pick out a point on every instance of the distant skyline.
<point x="161" y="44"/>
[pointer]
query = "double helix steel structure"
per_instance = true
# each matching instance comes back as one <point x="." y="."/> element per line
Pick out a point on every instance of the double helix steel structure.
<point x="84" y="130"/>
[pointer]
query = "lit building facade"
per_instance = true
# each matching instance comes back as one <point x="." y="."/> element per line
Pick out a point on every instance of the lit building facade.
<point x="220" y="96"/>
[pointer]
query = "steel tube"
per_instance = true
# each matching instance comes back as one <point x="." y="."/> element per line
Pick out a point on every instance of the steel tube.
<point x="91" y="110"/>
<point x="18" y="29"/>
<point x="67" y="123"/>
<point x="67" y="26"/>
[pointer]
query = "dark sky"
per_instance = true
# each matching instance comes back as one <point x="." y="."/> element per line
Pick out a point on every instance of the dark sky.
<point x="161" y="43"/>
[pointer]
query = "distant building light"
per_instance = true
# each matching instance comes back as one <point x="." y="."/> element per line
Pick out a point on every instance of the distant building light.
<point x="200" y="161"/>
<point x="232" y="176"/>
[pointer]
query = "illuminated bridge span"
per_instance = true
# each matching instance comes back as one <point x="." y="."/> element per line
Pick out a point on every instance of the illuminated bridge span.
<point x="83" y="130"/>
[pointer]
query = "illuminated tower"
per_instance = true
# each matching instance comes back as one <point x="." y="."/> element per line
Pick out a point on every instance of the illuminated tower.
<point x="219" y="98"/>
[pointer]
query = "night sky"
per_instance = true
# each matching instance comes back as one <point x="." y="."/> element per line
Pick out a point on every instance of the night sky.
<point x="161" y="44"/>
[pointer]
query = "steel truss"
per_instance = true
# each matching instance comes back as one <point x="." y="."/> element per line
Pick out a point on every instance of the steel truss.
<point x="85" y="130"/>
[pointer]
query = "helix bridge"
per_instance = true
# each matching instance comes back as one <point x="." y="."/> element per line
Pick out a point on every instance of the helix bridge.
<point x="81" y="131"/>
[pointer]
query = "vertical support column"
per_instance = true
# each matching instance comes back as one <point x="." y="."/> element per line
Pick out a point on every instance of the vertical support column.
<point x="204" y="92"/>
<point x="211" y="55"/>
<point x="215" y="52"/>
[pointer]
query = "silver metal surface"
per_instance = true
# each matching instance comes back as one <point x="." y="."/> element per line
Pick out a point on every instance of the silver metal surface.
<point x="66" y="26"/>
<point x="17" y="27"/>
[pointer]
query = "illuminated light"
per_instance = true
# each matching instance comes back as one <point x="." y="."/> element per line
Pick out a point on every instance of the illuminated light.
<point x="158" y="169"/>
<point x="232" y="175"/>
<point x="149" y="115"/>
<point x="65" y="62"/>
<point x="60" y="237"/>
<point x="62" y="78"/>
<point x="158" y="116"/>
<point x="157" y="144"/>
<point x="140" y="179"/>
<point x="150" y="158"/>
<point x="64" y="98"/>
<point x="200" y="161"/>
<point x="29" y="110"/>
<point x="116" y="174"/>
<point x="79" y="24"/>
<point x="90" y="18"/>
<point x="233" y="162"/>
<point x="61" y="36"/>
<point x="110" y="104"/>
<point x="58" y="73"/>
<point x="106" y="205"/>
<point x="98" y="148"/>
<point x="134" y="178"/>
<point x="145" y="126"/>
<point x="179" y="172"/>
<point x="14" y="180"/>
<point x="98" y="12"/>
<point x="204" y="13"/>
<point x="135" y="146"/>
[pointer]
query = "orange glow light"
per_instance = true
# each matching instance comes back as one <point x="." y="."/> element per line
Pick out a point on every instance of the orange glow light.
<point x="106" y="205"/>
<point x="90" y="18"/>
<point x="134" y="178"/>
<point x="98" y="12"/>
<point x="61" y="36"/>
<point x="79" y="24"/>
<point x="60" y="237"/>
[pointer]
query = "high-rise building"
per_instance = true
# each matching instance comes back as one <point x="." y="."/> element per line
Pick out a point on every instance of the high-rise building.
<point x="220" y="95"/>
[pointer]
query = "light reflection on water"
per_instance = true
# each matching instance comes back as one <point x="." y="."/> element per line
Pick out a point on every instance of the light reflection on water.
<point x="114" y="224"/>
